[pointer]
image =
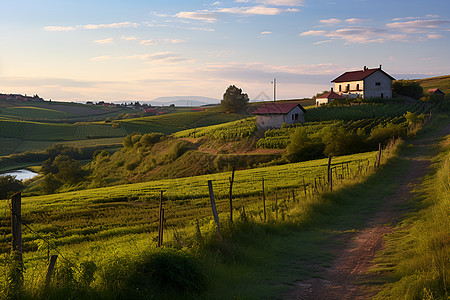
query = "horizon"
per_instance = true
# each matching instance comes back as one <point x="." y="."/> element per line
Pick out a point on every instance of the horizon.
<point x="110" y="51"/>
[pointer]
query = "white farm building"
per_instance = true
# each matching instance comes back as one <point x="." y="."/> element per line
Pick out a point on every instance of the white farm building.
<point x="273" y="115"/>
<point x="365" y="83"/>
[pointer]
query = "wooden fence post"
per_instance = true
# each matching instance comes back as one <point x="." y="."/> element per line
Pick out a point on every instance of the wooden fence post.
<point x="213" y="207"/>
<point x="330" y="175"/>
<point x="16" y="223"/>
<point x="51" y="267"/>
<point x="379" y="155"/>
<point x="264" y="199"/>
<point x="161" y="221"/>
<point x="231" y="196"/>
<point x="276" y="207"/>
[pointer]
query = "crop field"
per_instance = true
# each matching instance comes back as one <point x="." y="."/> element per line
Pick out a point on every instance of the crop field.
<point x="364" y="111"/>
<point x="171" y="123"/>
<point x="24" y="112"/>
<point x="230" y="131"/>
<point x="364" y="117"/>
<point x="109" y="221"/>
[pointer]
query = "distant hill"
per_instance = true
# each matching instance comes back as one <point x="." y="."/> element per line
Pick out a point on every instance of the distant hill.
<point x="183" y="101"/>
<point x="440" y="82"/>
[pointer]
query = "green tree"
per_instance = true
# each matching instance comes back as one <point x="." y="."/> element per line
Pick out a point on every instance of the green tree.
<point x="234" y="100"/>
<point x="302" y="147"/>
<point x="339" y="141"/>
<point x="50" y="184"/>
<point x="9" y="185"/>
<point x="408" y="88"/>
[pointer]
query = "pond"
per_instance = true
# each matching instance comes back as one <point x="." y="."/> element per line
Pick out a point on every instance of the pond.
<point x="22" y="174"/>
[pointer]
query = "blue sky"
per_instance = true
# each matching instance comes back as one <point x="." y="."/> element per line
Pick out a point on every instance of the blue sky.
<point x="140" y="50"/>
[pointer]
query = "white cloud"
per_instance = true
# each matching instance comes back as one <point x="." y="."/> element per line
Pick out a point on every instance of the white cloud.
<point x="321" y="42"/>
<point x="161" y="57"/>
<point x="281" y="2"/>
<point x="104" y="41"/>
<point x="331" y="21"/>
<point x="129" y="38"/>
<point x="256" y="10"/>
<point x="147" y="42"/>
<point x="198" y="15"/>
<point x="91" y="26"/>
<point x="434" y="36"/>
<point x="59" y="28"/>
<point x="418" y="26"/>
<point x="407" y="31"/>
<point x="265" y="33"/>
<point x="354" y="20"/>
<point x="101" y="58"/>
<point x="111" y="25"/>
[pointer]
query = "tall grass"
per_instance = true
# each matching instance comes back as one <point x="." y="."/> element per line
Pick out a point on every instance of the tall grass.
<point x="419" y="249"/>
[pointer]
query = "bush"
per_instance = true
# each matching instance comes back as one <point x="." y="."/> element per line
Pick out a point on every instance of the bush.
<point x="9" y="185"/>
<point x="149" y="139"/>
<point x="339" y="141"/>
<point x="382" y="133"/>
<point x="170" y="269"/>
<point x="408" y="88"/>
<point x="301" y="147"/>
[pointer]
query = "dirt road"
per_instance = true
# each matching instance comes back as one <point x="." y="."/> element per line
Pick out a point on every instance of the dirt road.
<point x="347" y="274"/>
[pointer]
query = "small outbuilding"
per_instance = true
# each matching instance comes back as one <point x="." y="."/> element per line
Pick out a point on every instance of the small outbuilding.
<point x="435" y="92"/>
<point x="326" y="98"/>
<point x="273" y="115"/>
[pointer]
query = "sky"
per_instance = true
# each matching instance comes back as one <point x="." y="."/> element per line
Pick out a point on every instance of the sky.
<point x="139" y="50"/>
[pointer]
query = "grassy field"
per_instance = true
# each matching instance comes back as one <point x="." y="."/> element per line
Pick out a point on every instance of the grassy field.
<point x="440" y="82"/>
<point x="31" y="134"/>
<point x="80" y="221"/>
<point x="171" y="123"/>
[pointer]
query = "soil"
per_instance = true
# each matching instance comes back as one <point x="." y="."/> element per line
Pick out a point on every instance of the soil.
<point x="349" y="277"/>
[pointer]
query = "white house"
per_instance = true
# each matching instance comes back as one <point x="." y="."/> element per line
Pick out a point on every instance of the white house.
<point x="365" y="83"/>
<point x="273" y="115"/>
<point x="326" y="98"/>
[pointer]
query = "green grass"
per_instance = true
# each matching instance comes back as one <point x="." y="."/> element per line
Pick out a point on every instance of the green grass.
<point x="415" y="262"/>
<point x="170" y="123"/>
<point x="440" y="82"/>
<point x="35" y="112"/>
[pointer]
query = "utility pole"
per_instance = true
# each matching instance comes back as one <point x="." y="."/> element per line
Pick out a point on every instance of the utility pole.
<point x="274" y="82"/>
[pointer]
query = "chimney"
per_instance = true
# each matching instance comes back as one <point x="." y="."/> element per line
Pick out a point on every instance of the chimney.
<point x="331" y="89"/>
<point x="364" y="68"/>
<point x="380" y="67"/>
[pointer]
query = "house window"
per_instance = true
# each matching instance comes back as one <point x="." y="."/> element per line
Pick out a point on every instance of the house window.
<point x="348" y="87"/>
<point x="340" y="88"/>
<point x="294" y="117"/>
<point x="377" y="83"/>
<point x="357" y="86"/>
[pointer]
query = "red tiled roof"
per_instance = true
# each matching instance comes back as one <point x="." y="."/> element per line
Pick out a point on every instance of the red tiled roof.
<point x="330" y="95"/>
<point x="435" y="91"/>
<point x="276" y="108"/>
<point x="358" y="75"/>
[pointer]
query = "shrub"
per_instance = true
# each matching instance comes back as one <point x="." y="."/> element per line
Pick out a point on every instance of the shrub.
<point x="170" y="269"/>
<point x="9" y="185"/>
<point x="408" y="88"/>
<point x="338" y="141"/>
<point x="149" y="139"/>
<point x="301" y="147"/>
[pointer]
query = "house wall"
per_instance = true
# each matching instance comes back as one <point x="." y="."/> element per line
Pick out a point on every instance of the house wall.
<point x="383" y="90"/>
<point x="277" y="120"/>
<point x="320" y="101"/>
<point x="288" y="119"/>
<point x="269" y="121"/>
<point x="355" y="90"/>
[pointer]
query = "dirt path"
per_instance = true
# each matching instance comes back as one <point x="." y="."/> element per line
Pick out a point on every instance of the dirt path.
<point x="347" y="274"/>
